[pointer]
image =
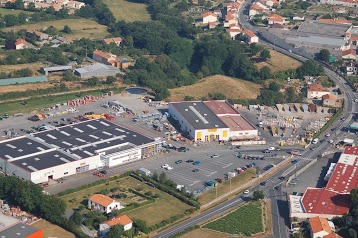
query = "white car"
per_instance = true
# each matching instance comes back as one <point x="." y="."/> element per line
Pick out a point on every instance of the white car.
<point x="328" y="135"/>
<point x="165" y="166"/>
<point x="315" y="141"/>
<point x="271" y="148"/>
<point x="215" y="156"/>
<point x="330" y="141"/>
<point x="246" y="191"/>
<point x="169" y="168"/>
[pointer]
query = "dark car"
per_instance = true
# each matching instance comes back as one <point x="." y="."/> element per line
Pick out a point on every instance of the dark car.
<point x="178" y="161"/>
<point x="281" y="178"/>
<point x="195" y="170"/>
<point x="103" y="172"/>
<point x="183" y="149"/>
<point x="263" y="184"/>
<point x="294" y="161"/>
<point x="189" y="161"/>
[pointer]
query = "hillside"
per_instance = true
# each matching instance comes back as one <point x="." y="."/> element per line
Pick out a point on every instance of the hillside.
<point x="231" y="87"/>
<point x="279" y="62"/>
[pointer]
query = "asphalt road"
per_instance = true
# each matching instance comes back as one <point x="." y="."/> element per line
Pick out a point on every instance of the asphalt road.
<point x="280" y="213"/>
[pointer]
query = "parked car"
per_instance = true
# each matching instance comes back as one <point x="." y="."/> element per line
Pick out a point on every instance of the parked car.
<point x="263" y="183"/>
<point x="183" y="149"/>
<point x="189" y="161"/>
<point x="169" y="168"/>
<point x="215" y="156"/>
<point x="281" y="177"/>
<point x="315" y="141"/>
<point x="195" y="170"/>
<point x="196" y="162"/>
<point x="294" y="161"/>
<point x="271" y="148"/>
<point x="246" y="191"/>
<point x="164" y="166"/>
<point x="179" y="161"/>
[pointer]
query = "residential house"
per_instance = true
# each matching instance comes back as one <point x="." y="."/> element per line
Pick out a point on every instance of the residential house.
<point x="122" y="63"/>
<point x="233" y="6"/>
<point x="320" y="227"/>
<point x="353" y="40"/>
<point x="275" y="19"/>
<point x="231" y="19"/>
<point x="298" y="17"/>
<point x="257" y="8"/>
<point x="332" y="235"/>
<point x="351" y="68"/>
<point x="19" y="44"/>
<point x="209" y="17"/>
<point x="250" y="36"/>
<point x="234" y="32"/>
<point x="218" y="12"/>
<point x="212" y="25"/>
<point x="123" y="220"/>
<point x="41" y="5"/>
<point x="104" y="57"/>
<point x="116" y="40"/>
<point x="103" y="203"/>
<point x="61" y="2"/>
<point x="316" y="91"/>
<point x="270" y="3"/>
<point x="331" y="100"/>
<point x="349" y="54"/>
<point x="40" y="36"/>
<point x="75" y="5"/>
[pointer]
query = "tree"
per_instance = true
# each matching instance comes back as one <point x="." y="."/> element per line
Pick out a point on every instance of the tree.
<point x="163" y="178"/>
<point x="141" y="225"/>
<point x="51" y="30"/>
<point x="77" y="218"/>
<point x="310" y="68"/>
<point x="323" y="55"/>
<point x="114" y="213"/>
<point x="111" y="80"/>
<point x="265" y="73"/>
<point x="67" y="29"/>
<point x="217" y="96"/>
<point x="255" y="48"/>
<point x="115" y="232"/>
<point x="18" y="4"/>
<point x="265" y="54"/>
<point x="155" y="176"/>
<point x="258" y="195"/>
<point x="94" y="81"/>
<point x="274" y="86"/>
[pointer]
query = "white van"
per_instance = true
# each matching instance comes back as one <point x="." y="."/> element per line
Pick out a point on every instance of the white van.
<point x="315" y="141"/>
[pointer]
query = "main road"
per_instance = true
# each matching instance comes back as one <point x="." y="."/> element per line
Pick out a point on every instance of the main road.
<point x="278" y="198"/>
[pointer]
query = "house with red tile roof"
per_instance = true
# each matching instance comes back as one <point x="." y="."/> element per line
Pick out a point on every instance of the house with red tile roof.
<point x="18" y="44"/>
<point x="275" y="19"/>
<point x="103" y="203"/>
<point x="123" y="220"/>
<point x="258" y="8"/>
<point x="331" y="100"/>
<point x="250" y="36"/>
<point x="336" y="20"/>
<point x="350" y="54"/>
<point x="104" y="57"/>
<point x="320" y="227"/>
<point x="234" y="32"/>
<point x="115" y="40"/>
<point x="316" y="91"/>
<point x="209" y="17"/>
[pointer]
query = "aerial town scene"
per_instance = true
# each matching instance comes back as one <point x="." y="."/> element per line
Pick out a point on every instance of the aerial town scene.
<point x="178" y="118"/>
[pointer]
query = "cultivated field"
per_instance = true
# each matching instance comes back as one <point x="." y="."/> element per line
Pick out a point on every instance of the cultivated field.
<point x="163" y="208"/>
<point x="231" y="87"/>
<point x="5" y="11"/>
<point x="51" y="230"/>
<point x="128" y="10"/>
<point x="279" y="62"/>
<point x="223" y="188"/>
<point x="204" y="233"/>
<point x="81" y="28"/>
<point x="246" y="220"/>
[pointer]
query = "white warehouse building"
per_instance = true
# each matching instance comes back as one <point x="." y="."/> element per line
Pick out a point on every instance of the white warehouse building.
<point x="212" y="121"/>
<point x="72" y="149"/>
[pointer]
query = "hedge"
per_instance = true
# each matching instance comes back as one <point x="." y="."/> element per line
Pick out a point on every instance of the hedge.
<point x="173" y="192"/>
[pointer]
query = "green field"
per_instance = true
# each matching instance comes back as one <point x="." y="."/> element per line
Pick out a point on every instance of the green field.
<point x="5" y="11"/>
<point x="81" y="28"/>
<point x="246" y="220"/>
<point x="127" y="10"/>
<point x="163" y="208"/>
<point x="37" y="103"/>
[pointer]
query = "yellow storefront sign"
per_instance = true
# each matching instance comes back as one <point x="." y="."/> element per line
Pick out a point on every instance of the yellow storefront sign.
<point x="199" y="135"/>
<point x="224" y="133"/>
<point x="212" y="130"/>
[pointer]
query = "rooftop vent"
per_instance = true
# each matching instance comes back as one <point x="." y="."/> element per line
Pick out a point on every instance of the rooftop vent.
<point x="186" y="109"/>
<point x="194" y="103"/>
<point x="216" y="126"/>
<point x="23" y="227"/>
<point x="196" y="120"/>
<point x="205" y="114"/>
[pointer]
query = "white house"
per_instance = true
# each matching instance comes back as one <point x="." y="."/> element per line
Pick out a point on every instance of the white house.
<point x="124" y="220"/>
<point x="209" y="17"/>
<point x="103" y="203"/>
<point x="258" y="8"/>
<point x="298" y="17"/>
<point x="316" y="90"/>
<point x="250" y="36"/>
<point x="349" y="54"/>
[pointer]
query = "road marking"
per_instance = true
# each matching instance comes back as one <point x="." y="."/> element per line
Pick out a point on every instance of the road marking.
<point x="228" y="165"/>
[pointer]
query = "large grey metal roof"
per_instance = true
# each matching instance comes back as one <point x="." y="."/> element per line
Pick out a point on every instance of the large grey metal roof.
<point x="198" y="115"/>
<point x="19" y="230"/>
<point x="318" y="40"/>
<point x="95" y="67"/>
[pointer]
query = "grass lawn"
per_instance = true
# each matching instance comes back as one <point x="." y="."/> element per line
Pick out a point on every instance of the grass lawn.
<point x="128" y="10"/>
<point x="246" y="220"/>
<point x="223" y="188"/>
<point x="51" y="230"/>
<point x="5" y="11"/>
<point x="34" y="67"/>
<point x="231" y="87"/>
<point x="204" y="233"/>
<point x="45" y="101"/>
<point x="81" y="28"/>
<point x="164" y="207"/>
<point x="279" y="62"/>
